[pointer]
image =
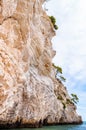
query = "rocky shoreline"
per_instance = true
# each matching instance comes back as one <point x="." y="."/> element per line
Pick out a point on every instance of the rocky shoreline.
<point x="36" y="125"/>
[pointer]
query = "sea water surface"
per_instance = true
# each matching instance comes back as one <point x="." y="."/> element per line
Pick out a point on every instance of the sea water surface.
<point x="58" y="127"/>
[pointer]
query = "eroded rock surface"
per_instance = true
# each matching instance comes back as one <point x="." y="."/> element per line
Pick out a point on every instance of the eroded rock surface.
<point x="29" y="92"/>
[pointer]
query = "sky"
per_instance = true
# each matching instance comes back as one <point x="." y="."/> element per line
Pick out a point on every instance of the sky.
<point x="70" y="45"/>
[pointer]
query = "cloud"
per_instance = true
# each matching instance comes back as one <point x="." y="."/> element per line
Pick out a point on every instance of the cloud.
<point x="70" y="44"/>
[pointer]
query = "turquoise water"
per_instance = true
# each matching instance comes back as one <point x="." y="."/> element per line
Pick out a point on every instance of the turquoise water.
<point x="59" y="127"/>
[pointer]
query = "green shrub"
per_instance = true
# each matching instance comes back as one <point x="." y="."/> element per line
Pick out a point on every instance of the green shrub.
<point x="74" y="98"/>
<point x="62" y="78"/>
<point x="59" y="73"/>
<point x="59" y="69"/>
<point x="56" y="27"/>
<point x="53" y="20"/>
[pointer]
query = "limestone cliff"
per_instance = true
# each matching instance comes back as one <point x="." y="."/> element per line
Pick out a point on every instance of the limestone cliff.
<point x="29" y="93"/>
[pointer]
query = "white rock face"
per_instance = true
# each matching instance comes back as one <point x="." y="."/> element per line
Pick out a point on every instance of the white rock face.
<point x="29" y="92"/>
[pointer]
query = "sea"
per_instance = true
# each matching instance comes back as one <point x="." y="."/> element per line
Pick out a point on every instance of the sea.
<point x="57" y="127"/>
